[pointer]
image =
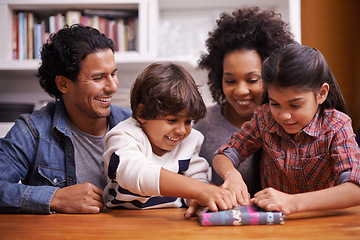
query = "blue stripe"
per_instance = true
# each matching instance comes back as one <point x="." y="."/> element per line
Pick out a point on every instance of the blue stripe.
<point x="113" y="164"/>
<point x="183" y="165"/>
<point x="153" y="201"/>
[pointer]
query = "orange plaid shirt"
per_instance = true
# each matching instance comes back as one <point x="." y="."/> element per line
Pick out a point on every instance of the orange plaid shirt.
<point x="310" y="160"/>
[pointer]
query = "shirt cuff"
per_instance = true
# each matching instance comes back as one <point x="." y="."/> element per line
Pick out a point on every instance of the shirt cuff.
<point x="233" y="155"/>
<point x="36" y="199"/>
<point x="344" y="177"/>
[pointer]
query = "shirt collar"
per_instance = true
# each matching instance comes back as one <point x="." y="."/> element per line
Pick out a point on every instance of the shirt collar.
<point x="59" y="121"/>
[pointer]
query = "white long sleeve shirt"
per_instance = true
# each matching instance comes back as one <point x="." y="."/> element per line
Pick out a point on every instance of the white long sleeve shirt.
<point x="133" y="170"/>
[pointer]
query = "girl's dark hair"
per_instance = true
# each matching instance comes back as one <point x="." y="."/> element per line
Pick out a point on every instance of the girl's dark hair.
<point x="300" y="66"/>
<point x="63" y="52"/>
<point x="163" y="89"/>
<point x="245" y="28"/>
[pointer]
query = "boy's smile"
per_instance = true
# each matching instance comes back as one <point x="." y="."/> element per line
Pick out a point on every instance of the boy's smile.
<point x="166" y="133"/>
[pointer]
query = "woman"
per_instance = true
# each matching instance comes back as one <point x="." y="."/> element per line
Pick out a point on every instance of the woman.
<point x="236" y="49"/>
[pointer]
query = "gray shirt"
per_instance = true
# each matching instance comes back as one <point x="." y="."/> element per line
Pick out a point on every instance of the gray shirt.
<point x="217" y="131"/>
<point x="89" y="163"/>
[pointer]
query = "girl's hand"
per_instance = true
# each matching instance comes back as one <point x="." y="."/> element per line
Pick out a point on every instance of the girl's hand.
<point x="237" y="186"/>
<point x="274" y="200"/>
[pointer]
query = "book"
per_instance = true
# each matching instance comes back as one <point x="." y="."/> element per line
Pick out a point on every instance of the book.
<point x="110" y="13"/>
<point x="22" y="36"/>
<point x="15" y="36"/>
<point x="30" y="34"/>
<point x="37" y="40"/>
<point x="240" y="215"/>
<point x="72" y="17"/>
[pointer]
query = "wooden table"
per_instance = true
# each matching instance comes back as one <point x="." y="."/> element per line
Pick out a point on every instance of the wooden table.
<point x="170" y="224"/>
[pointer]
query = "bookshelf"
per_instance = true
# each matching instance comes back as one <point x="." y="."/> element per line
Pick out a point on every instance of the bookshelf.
<point x="169" y="30"/>
<point x="145" y="48"/>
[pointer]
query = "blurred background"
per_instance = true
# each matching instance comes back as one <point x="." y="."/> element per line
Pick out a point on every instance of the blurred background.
<point x="177" y="30"/>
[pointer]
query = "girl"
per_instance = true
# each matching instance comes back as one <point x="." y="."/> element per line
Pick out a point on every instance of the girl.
<point x="156" y="153"/>
<point x="310" y="160"/>
<point x="237" y="47"/>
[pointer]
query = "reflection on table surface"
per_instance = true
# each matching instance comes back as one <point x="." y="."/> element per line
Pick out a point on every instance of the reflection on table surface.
<point x="170" y="224"/>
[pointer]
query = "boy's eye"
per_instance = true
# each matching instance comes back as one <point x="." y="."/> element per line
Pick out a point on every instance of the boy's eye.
<point x="188" y="122"/>
<point x="171" y="120"/>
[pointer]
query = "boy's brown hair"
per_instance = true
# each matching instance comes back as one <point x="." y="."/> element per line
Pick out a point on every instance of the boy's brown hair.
<point x="166" y="89"/>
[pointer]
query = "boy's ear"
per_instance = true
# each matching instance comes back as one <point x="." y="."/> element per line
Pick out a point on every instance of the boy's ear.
<point x="323" y="93"/>
<point x="62" y="83"/>
<point x="139" y="111"/>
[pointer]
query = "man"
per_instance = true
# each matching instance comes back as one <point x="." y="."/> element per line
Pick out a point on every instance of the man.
<point x="51" y="160"/>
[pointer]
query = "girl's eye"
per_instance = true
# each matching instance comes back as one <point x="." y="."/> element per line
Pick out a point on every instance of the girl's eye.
<point x="188" y="122"/>
<point x="171" y="120"/>
<point x="274" y="104"/>
<point x="295" y="105"/>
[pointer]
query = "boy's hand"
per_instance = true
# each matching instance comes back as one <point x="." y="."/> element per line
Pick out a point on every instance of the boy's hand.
<point x="213" y="197"/>
<point x="236" y="184"/>
<point x="274" y="200"/>
<point x="192" y="209"/>
<point x="216" y="198"/>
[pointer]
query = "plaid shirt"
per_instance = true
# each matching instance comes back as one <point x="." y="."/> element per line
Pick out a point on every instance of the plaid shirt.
<point x="310" y="160"/>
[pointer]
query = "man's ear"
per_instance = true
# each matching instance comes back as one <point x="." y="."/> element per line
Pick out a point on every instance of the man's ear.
<point x="62" y="83"/>
<point x="323" y="93"/>
<point x="139" y="112"/>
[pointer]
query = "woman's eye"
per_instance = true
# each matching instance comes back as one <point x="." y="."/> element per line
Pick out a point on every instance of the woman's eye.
<point x="229" y="81"/>
<point x="254" y="80"/>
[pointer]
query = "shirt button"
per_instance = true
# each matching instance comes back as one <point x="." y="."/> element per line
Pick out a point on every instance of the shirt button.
<point x="357" y="167"/>
<point x="55" y="180"/>
<point x="69" y="150"/>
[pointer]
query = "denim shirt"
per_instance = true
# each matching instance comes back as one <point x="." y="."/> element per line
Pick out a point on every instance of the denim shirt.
<point x="38" y="151"/>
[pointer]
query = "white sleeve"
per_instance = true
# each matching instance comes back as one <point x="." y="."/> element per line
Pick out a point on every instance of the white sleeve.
<point x="126" y="148"/>
<point x="199" y="168"/>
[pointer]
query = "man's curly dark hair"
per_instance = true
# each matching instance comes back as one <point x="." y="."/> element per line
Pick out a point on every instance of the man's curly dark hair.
<point x="247" y="28"/>
<point x="63" y="52"/>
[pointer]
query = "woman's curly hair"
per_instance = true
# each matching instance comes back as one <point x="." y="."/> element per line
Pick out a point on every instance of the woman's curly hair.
<point x="246" y="28"/>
